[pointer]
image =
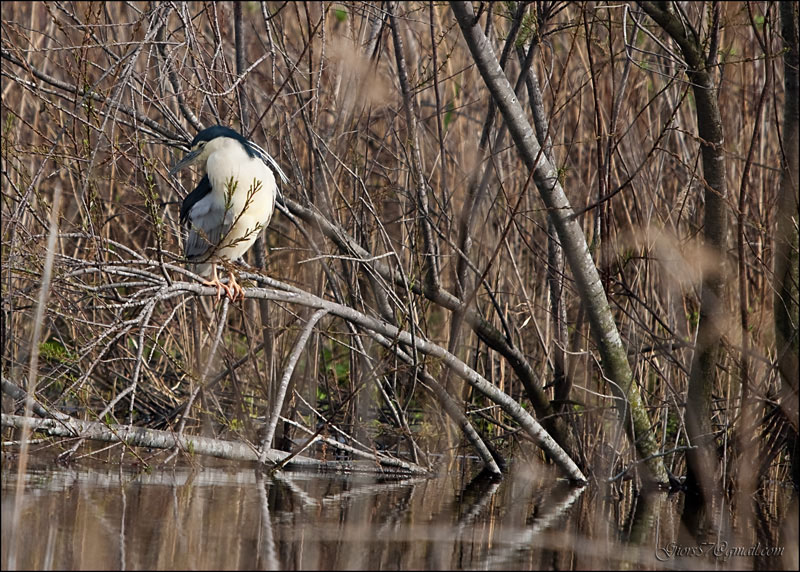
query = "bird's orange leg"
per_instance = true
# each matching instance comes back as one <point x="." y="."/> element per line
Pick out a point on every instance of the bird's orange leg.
<point x="238" y="291"/>
<point x="217" y="284"/>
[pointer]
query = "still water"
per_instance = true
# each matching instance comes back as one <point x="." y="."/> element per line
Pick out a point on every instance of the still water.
<point x="231" y="517"/>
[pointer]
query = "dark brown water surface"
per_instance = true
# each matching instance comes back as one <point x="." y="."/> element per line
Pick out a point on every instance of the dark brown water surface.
<point x="231" y="518"/>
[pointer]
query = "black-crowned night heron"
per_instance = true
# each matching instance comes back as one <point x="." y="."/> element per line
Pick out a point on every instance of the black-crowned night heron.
<point x="231" y="205"/>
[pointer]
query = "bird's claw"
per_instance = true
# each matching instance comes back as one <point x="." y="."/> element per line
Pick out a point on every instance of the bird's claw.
<point x="233" y="290"/>
<point x="238" y="291"/>
<point x="219" y="286"/>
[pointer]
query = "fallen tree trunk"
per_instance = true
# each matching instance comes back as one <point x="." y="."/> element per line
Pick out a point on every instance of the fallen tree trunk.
<point x="220" y="448"/>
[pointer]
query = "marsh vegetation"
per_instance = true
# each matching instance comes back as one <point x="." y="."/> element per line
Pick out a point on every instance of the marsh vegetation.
<point x="555" y="230"/>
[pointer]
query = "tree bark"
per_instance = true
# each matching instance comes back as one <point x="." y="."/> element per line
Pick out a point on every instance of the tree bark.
<point x="604" y="331"/>
<point x="701" y="462"/>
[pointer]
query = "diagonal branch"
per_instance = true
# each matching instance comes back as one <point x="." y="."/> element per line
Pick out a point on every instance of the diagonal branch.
<point x="632" y="412"/>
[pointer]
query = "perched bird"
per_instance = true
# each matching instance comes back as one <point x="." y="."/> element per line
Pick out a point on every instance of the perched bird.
<point x="230" y="206"/>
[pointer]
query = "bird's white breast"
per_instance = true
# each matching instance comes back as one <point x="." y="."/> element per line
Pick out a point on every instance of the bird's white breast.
<point x="252" y="201"/>
<point x="255" y="183"/>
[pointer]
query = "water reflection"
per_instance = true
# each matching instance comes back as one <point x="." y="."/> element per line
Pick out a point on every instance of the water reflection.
<point x="235" y="518"/>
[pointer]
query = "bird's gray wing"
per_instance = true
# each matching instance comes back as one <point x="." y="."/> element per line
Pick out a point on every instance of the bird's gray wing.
<point x="208" y="225"/>
<point x="200" y="192"/>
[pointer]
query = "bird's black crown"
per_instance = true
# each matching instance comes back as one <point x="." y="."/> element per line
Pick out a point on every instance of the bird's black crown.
<point x="253" y="150"/>
<point x="215" y="131"/>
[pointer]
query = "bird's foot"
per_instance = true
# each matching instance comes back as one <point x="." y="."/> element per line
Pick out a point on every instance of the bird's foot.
<point x="220" y="287"/>
<point x="235" y="287"/>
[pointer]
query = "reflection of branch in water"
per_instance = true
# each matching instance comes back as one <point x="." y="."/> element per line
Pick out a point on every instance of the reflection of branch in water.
<point x="644" y="519"/>
<point x="397" y="514"/>
<point x="289" y="483"/>
<point x="375" y="488"/>
<point x="266" y="542"/>
<point x="482" y="488"/>
<point x="510" y="543"/>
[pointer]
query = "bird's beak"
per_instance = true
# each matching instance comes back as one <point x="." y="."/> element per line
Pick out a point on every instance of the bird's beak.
<point x="185" y="162"/>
